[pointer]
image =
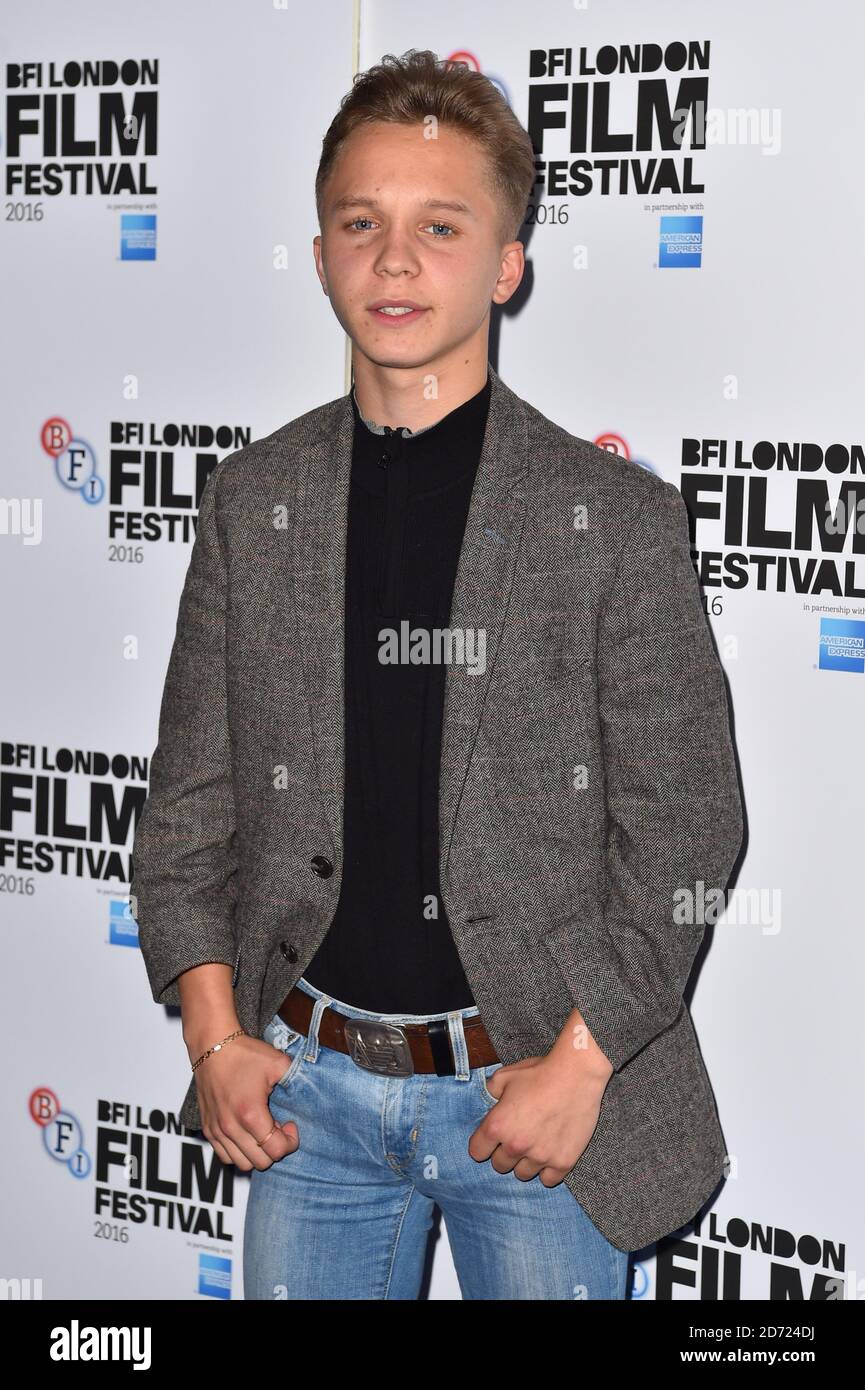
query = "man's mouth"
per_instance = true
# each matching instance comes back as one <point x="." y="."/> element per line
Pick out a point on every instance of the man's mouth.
<point x="397" y="311"/>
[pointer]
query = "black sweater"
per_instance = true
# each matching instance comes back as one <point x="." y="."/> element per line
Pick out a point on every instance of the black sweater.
<point x="389" y="947"/>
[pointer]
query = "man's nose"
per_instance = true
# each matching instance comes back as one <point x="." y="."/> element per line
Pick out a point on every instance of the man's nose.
<point x="396" y="251"/>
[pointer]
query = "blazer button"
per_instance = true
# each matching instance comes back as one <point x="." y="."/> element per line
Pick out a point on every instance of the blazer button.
<point x="288" y="951"/>
<point x="321" y="866"/>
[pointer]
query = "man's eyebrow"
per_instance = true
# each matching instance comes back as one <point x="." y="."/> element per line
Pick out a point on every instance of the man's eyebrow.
<point x="358" y="200"/>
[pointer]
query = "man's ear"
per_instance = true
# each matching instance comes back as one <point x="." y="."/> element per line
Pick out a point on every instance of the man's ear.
<point x="513" y="265"/>
<point x="319" y="268"/>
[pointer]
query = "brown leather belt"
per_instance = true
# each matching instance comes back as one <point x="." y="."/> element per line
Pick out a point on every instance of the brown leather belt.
<point x="387" y="1048"/>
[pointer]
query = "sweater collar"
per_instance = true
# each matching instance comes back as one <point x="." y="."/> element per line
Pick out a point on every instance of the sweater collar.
<point x="455" y="419"/>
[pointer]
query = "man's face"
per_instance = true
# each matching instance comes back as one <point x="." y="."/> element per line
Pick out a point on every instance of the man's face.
<point x="386" y="235"/>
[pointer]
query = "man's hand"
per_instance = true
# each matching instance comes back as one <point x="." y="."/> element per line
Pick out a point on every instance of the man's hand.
<point x="233" y="1086"/>
<point x="547" y="1109"/>
<point x="234" y="1083"/>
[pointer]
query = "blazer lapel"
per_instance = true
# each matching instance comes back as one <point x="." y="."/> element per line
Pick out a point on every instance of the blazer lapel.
<point x="482" y="585"/>
<point x="317" y="576"/>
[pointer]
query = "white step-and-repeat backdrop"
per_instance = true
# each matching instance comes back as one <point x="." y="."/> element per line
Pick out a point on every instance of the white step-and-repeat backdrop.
<point x="684" y="307"/>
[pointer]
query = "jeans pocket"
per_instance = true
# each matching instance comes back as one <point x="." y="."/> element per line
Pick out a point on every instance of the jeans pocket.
<point x="483" y="1074"/>
<point x="295" y="1051"/>
<point x="288" y="1041"/>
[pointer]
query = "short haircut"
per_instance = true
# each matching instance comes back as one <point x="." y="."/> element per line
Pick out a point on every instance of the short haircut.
<point x="410" y="89"/>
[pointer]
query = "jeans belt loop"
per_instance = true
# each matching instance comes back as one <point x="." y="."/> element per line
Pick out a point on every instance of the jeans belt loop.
<point x="459" y="1046"/>
<point x="312" y="1038"/>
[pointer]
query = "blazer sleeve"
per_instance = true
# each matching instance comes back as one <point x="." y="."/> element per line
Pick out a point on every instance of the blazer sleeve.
<point x="183" y="885"/>
<point x="674" y="813"/>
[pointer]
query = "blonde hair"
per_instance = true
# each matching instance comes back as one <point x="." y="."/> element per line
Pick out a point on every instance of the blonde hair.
<point x="410" y="89"/>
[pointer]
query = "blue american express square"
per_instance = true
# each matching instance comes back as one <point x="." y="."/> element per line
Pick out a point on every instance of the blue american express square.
<point x="681" y="242"/>
<point x="214" y="1276"/>
<point x="138" y="236"/>
<point x="842" y="645"/>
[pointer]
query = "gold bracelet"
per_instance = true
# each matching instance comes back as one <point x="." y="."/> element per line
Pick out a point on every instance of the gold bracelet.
<point x="218" y="1046"/>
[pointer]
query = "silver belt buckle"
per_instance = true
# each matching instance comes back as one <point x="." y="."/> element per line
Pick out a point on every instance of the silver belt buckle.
<point x="379" y="1047"/>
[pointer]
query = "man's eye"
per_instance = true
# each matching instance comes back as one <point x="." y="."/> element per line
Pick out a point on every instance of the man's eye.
<point x="446" y="226"/>
<point x="359" y="219"/>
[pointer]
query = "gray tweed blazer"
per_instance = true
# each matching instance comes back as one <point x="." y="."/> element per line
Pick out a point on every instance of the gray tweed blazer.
<point x="587" y="776"/>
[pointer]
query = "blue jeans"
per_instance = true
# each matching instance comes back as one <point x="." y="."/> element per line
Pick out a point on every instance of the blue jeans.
<point x="346" y="1215"/>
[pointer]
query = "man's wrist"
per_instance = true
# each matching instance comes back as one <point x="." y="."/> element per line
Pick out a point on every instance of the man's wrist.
<point x="577" y="1052"/>
<point x="202" y="1035"/>
<point x="207" y="1006"/>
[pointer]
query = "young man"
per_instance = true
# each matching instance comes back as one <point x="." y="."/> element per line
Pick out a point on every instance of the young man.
<point x="443" y="772"/>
